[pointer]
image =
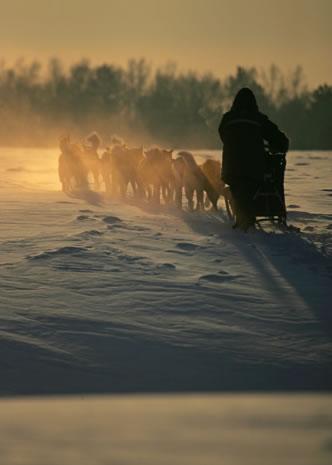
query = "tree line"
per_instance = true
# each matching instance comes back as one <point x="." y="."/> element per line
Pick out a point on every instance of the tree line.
<point x="165" y="106"/>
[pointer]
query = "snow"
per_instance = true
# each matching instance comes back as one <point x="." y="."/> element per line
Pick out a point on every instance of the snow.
<point x="103" y="296"/>
<point x="99" y="297"/>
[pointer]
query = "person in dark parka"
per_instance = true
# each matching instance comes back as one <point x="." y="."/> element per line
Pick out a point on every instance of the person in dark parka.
<point x="244" y="131"/>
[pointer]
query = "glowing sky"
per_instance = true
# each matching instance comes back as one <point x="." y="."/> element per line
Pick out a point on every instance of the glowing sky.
<point x="205" y="35"/>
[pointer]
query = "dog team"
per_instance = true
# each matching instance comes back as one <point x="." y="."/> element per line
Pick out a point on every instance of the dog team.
<point x="153" y="174"/>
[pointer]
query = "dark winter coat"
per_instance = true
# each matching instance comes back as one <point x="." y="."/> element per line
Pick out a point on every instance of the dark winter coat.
<point x="243" y="135"/>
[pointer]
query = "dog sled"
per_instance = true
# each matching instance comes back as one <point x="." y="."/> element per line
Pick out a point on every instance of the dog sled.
<point x="269" y="200"/>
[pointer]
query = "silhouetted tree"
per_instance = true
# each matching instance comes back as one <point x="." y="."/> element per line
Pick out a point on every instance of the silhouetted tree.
<point x="168" y="107"/>
<point x="320" y="118"/>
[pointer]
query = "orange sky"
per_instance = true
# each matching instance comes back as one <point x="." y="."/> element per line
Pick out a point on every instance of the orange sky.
<point x="204" y="35"/>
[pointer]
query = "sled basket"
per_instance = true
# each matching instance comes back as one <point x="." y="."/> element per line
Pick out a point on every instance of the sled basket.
<point x="269" y="200"/>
